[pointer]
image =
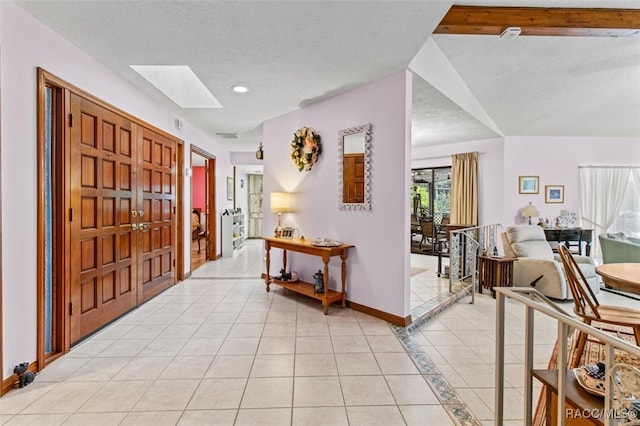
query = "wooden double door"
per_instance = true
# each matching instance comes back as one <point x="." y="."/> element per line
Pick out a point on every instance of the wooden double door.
<point x="122" y="215"/>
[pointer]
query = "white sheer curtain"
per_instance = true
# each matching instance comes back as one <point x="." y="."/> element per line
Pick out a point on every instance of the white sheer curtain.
<point x="602" y="189"/>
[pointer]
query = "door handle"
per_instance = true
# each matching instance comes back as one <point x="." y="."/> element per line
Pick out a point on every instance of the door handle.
<point x="140" y="213"/>
<point x="134" y="227"/>
<point x="144" y="226"/>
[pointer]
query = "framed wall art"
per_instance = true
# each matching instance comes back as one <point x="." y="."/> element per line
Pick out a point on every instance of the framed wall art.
<point x="554" y="194"/>
<point x="528" y="184"/>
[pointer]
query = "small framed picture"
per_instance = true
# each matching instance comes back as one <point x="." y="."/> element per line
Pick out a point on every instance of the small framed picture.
<point x="528" y="185"/>
<point x="287" y="233"/>
<point x="554" y="194"/>
<point x="230" y="189"/>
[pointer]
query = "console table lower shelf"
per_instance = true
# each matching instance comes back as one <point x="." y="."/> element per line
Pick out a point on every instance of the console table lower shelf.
<point x="307" y="289"/>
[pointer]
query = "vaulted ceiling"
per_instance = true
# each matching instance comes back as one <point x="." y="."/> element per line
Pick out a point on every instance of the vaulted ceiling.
<point x="292" y="54"/>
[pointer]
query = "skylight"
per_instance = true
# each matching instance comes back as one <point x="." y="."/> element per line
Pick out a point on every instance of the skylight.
<point x="180" y="84"/>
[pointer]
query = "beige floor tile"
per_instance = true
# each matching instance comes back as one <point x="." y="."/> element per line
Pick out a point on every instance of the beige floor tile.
<point x="155" y="418"/>
<point x="313" y="345"/>
<point x="167" y="395"/>
<point x="116" y="396"/>
<point x="192" y="318"/>
<point x="38" y="420"/>
<point x="187" y="367"/>
<point x="124" y="348"/>
<point x="320" y="416"/>
<point x="317" y="392"/>
<point x="143" y="369"/>
<point x="115" y="331"/>
<point x="315" y="365"/>
<point x="212" y="330"/>
<point x="345" y="329"/>
<point x="218" y="394"/>
<point x="179" y="331"/>
<point x="201" y="346"/>
<point x="208" y="418"/>
<point x="396" y="363"/>
<point x="477" y="406"/>
<point x="59" y="370"/>
<point x="18" y="399"/>
<point x="411" y="389"/>
<point x="376" y="328"/>
<point x="279" y="329"/>
<point x="350" y="344"/>
<point x="252" y="317"/>
<point x="272" y="366"/>
<point x="415" y="415"/>
<point x="163" y="347"/>
<point x="221" y="318"/>
<point x="366" y="390"/>
<point x="66" y="397"/>
<point x="357" y="364"/>
<point x="145" y="331"/>
<point x="375" y="416"/>
<point x="269" y="392"/>
<point x="90" y="348"/>
<point x="95" y="419"/>
<point x="264" y="417"/>
<point x="385" y="344"/>
<point x="312" y="329"/>
<point x="246" y="330"/>
<point x="230" y="366"/>
<point x="277" y="345"/>
<point x="239" y="346"/>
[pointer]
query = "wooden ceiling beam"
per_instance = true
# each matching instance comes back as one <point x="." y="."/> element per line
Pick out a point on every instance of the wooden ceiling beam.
<point x="541" y="21"/>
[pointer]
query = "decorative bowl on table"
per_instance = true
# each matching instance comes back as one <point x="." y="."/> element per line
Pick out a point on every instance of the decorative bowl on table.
<point x="325" y="242"/>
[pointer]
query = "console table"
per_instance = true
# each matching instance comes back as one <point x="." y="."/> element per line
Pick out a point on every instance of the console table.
<point x="305" y="246"/>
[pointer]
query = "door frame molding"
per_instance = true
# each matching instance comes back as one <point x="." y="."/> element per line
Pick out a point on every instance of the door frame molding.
<point x="45" y="78"/>
<point x="212" y="225"/>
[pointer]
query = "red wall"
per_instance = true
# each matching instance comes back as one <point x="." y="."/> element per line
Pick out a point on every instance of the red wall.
<point x="198" y="181"/>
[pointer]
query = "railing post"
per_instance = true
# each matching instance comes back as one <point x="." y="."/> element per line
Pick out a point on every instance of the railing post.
<point x="499" y="397"/>
<point x="528" y="366"/>
<point x="563" y="332"/>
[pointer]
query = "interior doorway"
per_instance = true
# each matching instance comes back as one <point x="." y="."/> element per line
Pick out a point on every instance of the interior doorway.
<point x="203" y="223"/>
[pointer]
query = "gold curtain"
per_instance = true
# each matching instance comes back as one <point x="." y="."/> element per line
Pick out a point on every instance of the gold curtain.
<point x="464" y="188"/>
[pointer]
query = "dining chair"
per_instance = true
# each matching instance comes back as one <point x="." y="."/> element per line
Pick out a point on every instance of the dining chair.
<point x="616" y="319"/>
<point x="426" y="227"/>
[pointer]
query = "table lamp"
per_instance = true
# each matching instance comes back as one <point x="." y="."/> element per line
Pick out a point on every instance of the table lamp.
<point x="529" y="210"/>
<point x="280" y="203"/>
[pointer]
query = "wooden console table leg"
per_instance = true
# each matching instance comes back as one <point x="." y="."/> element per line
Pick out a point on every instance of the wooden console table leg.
<point x="267" y="278"/>
<point x="325" y="300"/>
<point x="343" y="256"/>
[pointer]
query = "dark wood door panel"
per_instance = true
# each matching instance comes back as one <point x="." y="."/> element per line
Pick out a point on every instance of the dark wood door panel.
<point x="102" y="188"/>
<point x="157" y="194"/>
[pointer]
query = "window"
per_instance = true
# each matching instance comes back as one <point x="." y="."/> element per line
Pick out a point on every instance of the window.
<point x="628" y="218"/>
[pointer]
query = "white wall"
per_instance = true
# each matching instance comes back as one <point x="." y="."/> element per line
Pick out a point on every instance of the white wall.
<point x="378" y="267"/>
<point x="555" y="160"/>
<point x="25" y="45"/>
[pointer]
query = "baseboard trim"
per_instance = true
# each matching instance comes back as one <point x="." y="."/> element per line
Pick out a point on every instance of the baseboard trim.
<point x="393" y="319"/>
<point x="11" y="382"/>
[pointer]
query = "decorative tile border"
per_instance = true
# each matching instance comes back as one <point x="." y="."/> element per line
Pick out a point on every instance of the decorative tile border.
<point x="451" y="402"/>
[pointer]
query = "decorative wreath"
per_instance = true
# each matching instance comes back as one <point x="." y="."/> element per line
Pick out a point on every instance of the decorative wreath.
<point x="305" y="148"/>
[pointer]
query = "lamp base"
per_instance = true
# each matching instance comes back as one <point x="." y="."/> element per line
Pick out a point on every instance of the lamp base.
<point x="278" y="230"/>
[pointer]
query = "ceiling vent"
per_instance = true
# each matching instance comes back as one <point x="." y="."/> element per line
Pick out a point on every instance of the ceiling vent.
<point x="230" y="135"/>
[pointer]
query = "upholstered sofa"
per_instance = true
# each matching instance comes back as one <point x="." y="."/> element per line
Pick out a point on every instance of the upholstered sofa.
<point x="619" y="248"/>
<point x="537" y="263"/>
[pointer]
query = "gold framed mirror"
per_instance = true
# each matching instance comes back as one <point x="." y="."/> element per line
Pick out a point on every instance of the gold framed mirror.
<point x="354" y="168"/>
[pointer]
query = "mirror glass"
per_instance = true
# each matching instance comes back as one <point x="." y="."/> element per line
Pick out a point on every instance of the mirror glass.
<point x="354" y="148"/>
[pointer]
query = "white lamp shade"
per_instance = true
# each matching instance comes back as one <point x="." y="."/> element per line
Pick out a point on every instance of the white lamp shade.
<point x="280" y="202"/>
<point x="530" y="211"/>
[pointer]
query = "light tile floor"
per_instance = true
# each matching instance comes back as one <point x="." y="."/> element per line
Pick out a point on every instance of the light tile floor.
<point x="222" y="351"/>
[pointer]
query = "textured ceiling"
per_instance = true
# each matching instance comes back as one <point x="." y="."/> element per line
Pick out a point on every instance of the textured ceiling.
<point x="294" y="53"/>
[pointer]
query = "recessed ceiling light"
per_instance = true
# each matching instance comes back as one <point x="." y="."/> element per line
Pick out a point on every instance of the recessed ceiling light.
<point x="239" y="89"/>
<point x="180" y="84"/>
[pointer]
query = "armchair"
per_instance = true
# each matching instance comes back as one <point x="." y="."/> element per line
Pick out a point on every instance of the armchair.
<point x="537" y="264"/>
<point x="619" y="248"/>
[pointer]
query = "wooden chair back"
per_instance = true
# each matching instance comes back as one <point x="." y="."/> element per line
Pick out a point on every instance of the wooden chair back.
<point x="584" y="299"/>
<point x="427" y="228"/>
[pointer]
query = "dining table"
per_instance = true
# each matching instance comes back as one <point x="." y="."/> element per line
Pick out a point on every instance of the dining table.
<point x="621" y="276"/>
